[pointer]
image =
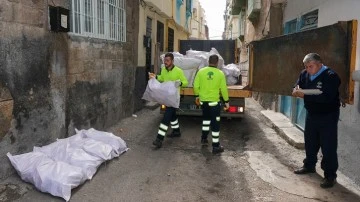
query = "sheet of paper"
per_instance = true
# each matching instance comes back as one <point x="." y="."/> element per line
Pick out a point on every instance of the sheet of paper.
<point x="311" y="91"/>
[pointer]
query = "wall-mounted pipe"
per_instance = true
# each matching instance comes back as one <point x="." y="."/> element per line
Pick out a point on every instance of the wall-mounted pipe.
<point x="356" y="75"/>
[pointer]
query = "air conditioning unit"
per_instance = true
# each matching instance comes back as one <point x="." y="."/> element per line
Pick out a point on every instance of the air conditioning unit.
<point x="254" y="7"/>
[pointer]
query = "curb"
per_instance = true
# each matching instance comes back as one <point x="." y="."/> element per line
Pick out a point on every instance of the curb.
<point x="283" y="126"/>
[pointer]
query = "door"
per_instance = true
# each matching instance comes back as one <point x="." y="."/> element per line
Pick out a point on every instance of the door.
<point x="275" y="63"/>
<point x="148" y="45"/>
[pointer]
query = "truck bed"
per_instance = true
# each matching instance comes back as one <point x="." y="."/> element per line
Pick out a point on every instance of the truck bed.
<point x="234" y="91"/>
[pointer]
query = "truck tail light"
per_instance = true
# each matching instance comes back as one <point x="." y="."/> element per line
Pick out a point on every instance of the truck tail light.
<point x="240" y="109"/>
<point x="232" y="109"/>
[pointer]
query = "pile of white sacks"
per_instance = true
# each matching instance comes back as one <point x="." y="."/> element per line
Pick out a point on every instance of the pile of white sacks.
<point x="195" y="60"/>
<point x="65" y="164"/>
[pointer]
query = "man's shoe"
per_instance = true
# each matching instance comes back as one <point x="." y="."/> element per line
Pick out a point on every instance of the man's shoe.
<point x="304" y="170"/>
<point x="157" y="143"/>
<point x="204" y="142"/>
<point x="175" y="133"/>
<point x="327" y="183"/>
<point x="218" y="150"/>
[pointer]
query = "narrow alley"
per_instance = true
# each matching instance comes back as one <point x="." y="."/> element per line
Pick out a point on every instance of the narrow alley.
<point x="257" y="165"/>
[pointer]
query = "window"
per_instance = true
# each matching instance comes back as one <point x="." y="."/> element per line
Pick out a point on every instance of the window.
<point x="309" y="20"/>
<point x="160" y="35"/>
<point x="291" y="26"/>
<point x="170" y="40"/>
<point x="104" y="19"/>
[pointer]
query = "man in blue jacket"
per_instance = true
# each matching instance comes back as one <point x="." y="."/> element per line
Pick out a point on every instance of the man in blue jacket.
<point x="322" y="117"/>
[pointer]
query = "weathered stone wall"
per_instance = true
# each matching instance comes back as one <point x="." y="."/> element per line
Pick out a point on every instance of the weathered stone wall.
<point x="268" y="23"/>
<point x="55" y="82"/>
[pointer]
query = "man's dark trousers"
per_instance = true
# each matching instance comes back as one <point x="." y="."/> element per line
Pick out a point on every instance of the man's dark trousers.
<point x="321" y="132"/>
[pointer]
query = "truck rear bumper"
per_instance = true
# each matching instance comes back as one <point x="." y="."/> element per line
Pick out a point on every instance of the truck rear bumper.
<point x="181" y="112"/>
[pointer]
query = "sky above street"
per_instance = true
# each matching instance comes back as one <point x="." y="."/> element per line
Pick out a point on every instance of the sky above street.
<point x="214" y="12"/>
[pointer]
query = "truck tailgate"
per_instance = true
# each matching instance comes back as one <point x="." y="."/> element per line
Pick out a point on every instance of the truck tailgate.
<point x="234" y="91"/>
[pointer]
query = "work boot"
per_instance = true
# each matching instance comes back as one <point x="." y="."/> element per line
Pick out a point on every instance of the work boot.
<point x="175" y="133"/>
<point x="204" y="142"/>
<point x="327" y="183"/>
<point x="157" y="142"/>
<point x="304" y="170"/>
<point x="218" y="150"/>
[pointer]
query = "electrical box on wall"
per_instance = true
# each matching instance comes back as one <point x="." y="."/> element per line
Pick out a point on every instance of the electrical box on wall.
<point x="59" y="19"/>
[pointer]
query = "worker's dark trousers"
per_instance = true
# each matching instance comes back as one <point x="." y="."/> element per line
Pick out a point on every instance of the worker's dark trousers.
<point x="321" y="132"/>
<point x="211" y="120"/>
<point x="169" y="117"/>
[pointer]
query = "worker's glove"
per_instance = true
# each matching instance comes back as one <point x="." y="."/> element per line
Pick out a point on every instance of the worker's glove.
<point x="197" y="101"/>
<point x="227" y="106"/>
<point x="152" y="75"/>
<point x="177" y="83"/>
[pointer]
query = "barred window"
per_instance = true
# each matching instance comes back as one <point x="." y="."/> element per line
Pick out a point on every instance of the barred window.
<point x="104" y="19"/>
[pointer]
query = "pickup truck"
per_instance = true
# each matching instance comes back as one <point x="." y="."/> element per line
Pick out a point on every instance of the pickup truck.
<point x="237" y="93"/>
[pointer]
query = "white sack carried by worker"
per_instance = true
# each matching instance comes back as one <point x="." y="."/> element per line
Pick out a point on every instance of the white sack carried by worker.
<point x="56" y="178"/>
<point x="165" y="93"/>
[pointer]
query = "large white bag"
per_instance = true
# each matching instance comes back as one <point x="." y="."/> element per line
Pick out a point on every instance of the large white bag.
<point x="118" y="145"/>
<point x="56" y="178"/>
<point x="91" y="146"/>
<point x="163" y="93"/>
<point x="62" y="151"/>
<point x="26" y="164"/>
<point x="231" y="70"/>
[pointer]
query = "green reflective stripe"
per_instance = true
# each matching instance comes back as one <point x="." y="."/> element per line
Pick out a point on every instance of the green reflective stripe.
<point x="215" y="140"/>
<point x="161" y="132"/>
<point x="215" y="134"/>
<point x="212" y="104"/>
<point x="206" y="122"/>
<point x="218" y="118"/>
<point x="205" y="128"/>
<point x="163" y="126"/>
<point x="175" y="122"/>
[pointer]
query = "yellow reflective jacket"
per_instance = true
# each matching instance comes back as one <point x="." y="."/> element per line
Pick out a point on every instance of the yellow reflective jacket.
<point x="209" y="83"/>
<point x="174" y="74"/>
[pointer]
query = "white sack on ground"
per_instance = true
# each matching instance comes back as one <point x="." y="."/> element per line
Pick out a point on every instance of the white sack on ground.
<point x="62" y="151"/>
<point x="163" y="93"/>
<point x="118" y="145"/>
<point x="91" y="146"/>
<point x="26" y="164"/>
<point x="65" y="164"/>
<point x="56" y="178"/>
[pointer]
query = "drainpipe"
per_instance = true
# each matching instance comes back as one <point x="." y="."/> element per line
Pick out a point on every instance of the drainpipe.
<point x="356" y="75"/>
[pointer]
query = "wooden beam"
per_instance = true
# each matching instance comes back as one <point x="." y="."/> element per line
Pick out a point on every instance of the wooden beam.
<point x="352" y="55"/>
<point x="233" y="91"/>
